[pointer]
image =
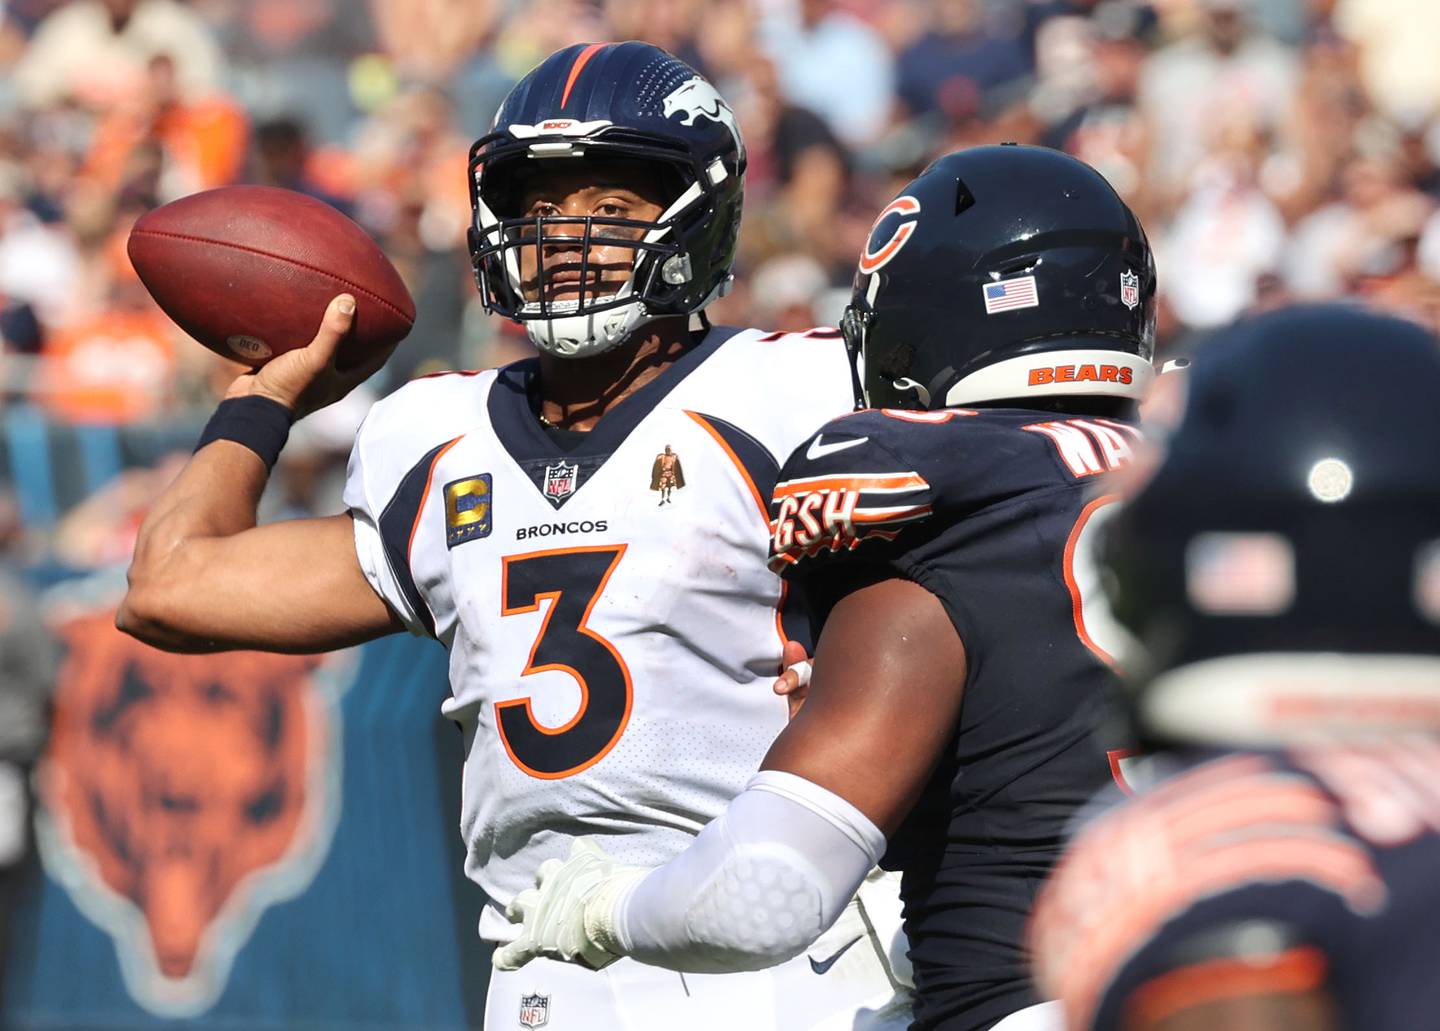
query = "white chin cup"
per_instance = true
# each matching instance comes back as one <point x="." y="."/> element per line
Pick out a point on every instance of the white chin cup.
<point x="583" y="336"/>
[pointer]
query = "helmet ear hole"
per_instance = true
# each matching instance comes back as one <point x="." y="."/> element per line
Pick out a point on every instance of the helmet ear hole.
<point x="895" y="363"/>
<point x="1016" y="267"/>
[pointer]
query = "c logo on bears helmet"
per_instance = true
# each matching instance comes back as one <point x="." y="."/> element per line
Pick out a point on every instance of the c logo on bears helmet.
<point x="875" y="258"/>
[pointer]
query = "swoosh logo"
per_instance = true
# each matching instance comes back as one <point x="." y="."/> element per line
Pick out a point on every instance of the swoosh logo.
<point x="817" y="450"/>
<point x="824" y="966"/>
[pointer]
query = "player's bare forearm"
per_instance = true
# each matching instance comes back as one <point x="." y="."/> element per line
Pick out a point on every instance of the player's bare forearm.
<point x="889" y="673"/>
<point x="888" y="677"/>
<point x="215" y="495"/>
<point x="206" y="578"/>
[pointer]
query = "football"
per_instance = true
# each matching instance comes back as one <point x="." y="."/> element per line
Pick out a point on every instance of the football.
<point x="249" y="270"/>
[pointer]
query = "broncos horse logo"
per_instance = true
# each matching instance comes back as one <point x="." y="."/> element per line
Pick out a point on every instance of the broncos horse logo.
<point x="696" y="98"/>
<point x="182" y="795"/>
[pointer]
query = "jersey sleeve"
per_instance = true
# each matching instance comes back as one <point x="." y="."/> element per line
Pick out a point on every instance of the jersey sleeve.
<point x="1157" y="901"/>
<point x="367" y="498"/>
<point x="845" y="499"/>
<point x="390" y="476"/>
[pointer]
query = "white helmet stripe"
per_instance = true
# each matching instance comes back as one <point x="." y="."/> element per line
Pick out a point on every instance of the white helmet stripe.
<point x="1069" y="372"/>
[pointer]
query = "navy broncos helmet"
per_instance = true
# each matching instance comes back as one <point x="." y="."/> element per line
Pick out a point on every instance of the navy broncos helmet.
<point x="1280" y="567"/>
<point x="596" y="102"/>
<point x="1003" y="273"/>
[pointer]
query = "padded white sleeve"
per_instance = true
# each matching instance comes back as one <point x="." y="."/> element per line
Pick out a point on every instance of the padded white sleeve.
<point x="757" y="886"/>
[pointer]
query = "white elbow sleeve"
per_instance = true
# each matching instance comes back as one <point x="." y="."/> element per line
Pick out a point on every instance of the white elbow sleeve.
<point x="758" y="885"/>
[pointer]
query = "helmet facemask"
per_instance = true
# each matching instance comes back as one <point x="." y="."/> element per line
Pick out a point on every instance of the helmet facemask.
<point x="582" y="284"/>
<point x="853" y="325"/>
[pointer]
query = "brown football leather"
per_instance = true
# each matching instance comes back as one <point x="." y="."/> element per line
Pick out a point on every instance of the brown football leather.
<point x="249" y="270"/>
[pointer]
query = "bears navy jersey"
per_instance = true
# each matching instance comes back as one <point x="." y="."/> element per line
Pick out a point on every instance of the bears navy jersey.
<point x="987" y="511"/>
<point x="1320" y="862"/>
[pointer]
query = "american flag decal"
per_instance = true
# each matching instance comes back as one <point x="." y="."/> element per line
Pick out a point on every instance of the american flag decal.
<point x="1009" y="294"/>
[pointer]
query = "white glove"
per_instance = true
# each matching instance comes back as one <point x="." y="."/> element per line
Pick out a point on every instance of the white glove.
<point x="570" y="914"/>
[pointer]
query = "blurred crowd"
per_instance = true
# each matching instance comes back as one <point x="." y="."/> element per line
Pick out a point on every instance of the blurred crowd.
<point x="1276" y="149"/>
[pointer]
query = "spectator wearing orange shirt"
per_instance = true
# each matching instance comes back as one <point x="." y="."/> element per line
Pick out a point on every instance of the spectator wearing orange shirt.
<point x="112" y="368"/>
<point x="202" y="141"/>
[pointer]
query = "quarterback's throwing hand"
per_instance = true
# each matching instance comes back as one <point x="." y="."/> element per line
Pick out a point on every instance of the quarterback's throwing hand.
<point x="309" y="378"/>
<point x="570" y="913"/>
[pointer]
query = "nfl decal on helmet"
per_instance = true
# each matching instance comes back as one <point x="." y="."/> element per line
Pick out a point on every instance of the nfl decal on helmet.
<point x="1130" y="290"/>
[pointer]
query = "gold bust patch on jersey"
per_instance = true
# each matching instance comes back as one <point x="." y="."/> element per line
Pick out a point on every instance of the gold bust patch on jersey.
<point x="667" y="475"/>
<point x="468" y="509"/>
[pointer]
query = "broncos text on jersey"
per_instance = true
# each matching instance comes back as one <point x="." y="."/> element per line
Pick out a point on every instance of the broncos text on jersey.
<point x="1320" y="862"/>
<point x="987" y="510"/>
<point x="610" y="658"/>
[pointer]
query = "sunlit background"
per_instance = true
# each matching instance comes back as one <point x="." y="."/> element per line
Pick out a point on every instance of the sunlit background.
<point x="1275" y="149"/>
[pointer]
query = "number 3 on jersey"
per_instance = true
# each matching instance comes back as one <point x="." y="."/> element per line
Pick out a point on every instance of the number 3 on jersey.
<point x="572" y="580"/>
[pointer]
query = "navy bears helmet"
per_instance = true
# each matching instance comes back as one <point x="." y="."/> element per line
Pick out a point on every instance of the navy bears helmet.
<point x="1280" y="567"/>
<point x="597" y="102"/>
<point x="1003" y="273"/>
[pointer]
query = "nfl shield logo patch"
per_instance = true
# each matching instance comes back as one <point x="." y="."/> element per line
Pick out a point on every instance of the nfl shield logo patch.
<point x="560" y="479"/>
<point x="1129" y="289"/>
<point x="534" y="1010"/>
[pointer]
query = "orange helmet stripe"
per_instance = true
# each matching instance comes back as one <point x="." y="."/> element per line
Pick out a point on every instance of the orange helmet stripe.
<point x="581" y="60"/>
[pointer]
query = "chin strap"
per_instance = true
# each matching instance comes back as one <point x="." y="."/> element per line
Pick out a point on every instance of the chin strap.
<point x="584" y="336"/>
<point x="928" y="395"/>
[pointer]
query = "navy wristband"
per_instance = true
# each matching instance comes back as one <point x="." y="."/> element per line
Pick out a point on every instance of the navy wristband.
<point x="258" y="423"/>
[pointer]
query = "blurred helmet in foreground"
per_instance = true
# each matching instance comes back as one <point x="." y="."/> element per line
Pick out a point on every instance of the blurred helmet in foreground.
<point x="1280" y="568"/>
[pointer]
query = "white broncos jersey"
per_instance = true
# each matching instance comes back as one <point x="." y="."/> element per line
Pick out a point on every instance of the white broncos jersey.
<point x="612" y="626"/>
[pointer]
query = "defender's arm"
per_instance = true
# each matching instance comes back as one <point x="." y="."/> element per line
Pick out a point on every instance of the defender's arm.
<point x="206" y="578"/>
<point x="889" y="672"/>
<point x="888" y="678"/>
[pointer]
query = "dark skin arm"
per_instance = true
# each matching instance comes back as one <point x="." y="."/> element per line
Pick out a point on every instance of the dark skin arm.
<point x="888" y="681"/>
<point x="206" y="578"/>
